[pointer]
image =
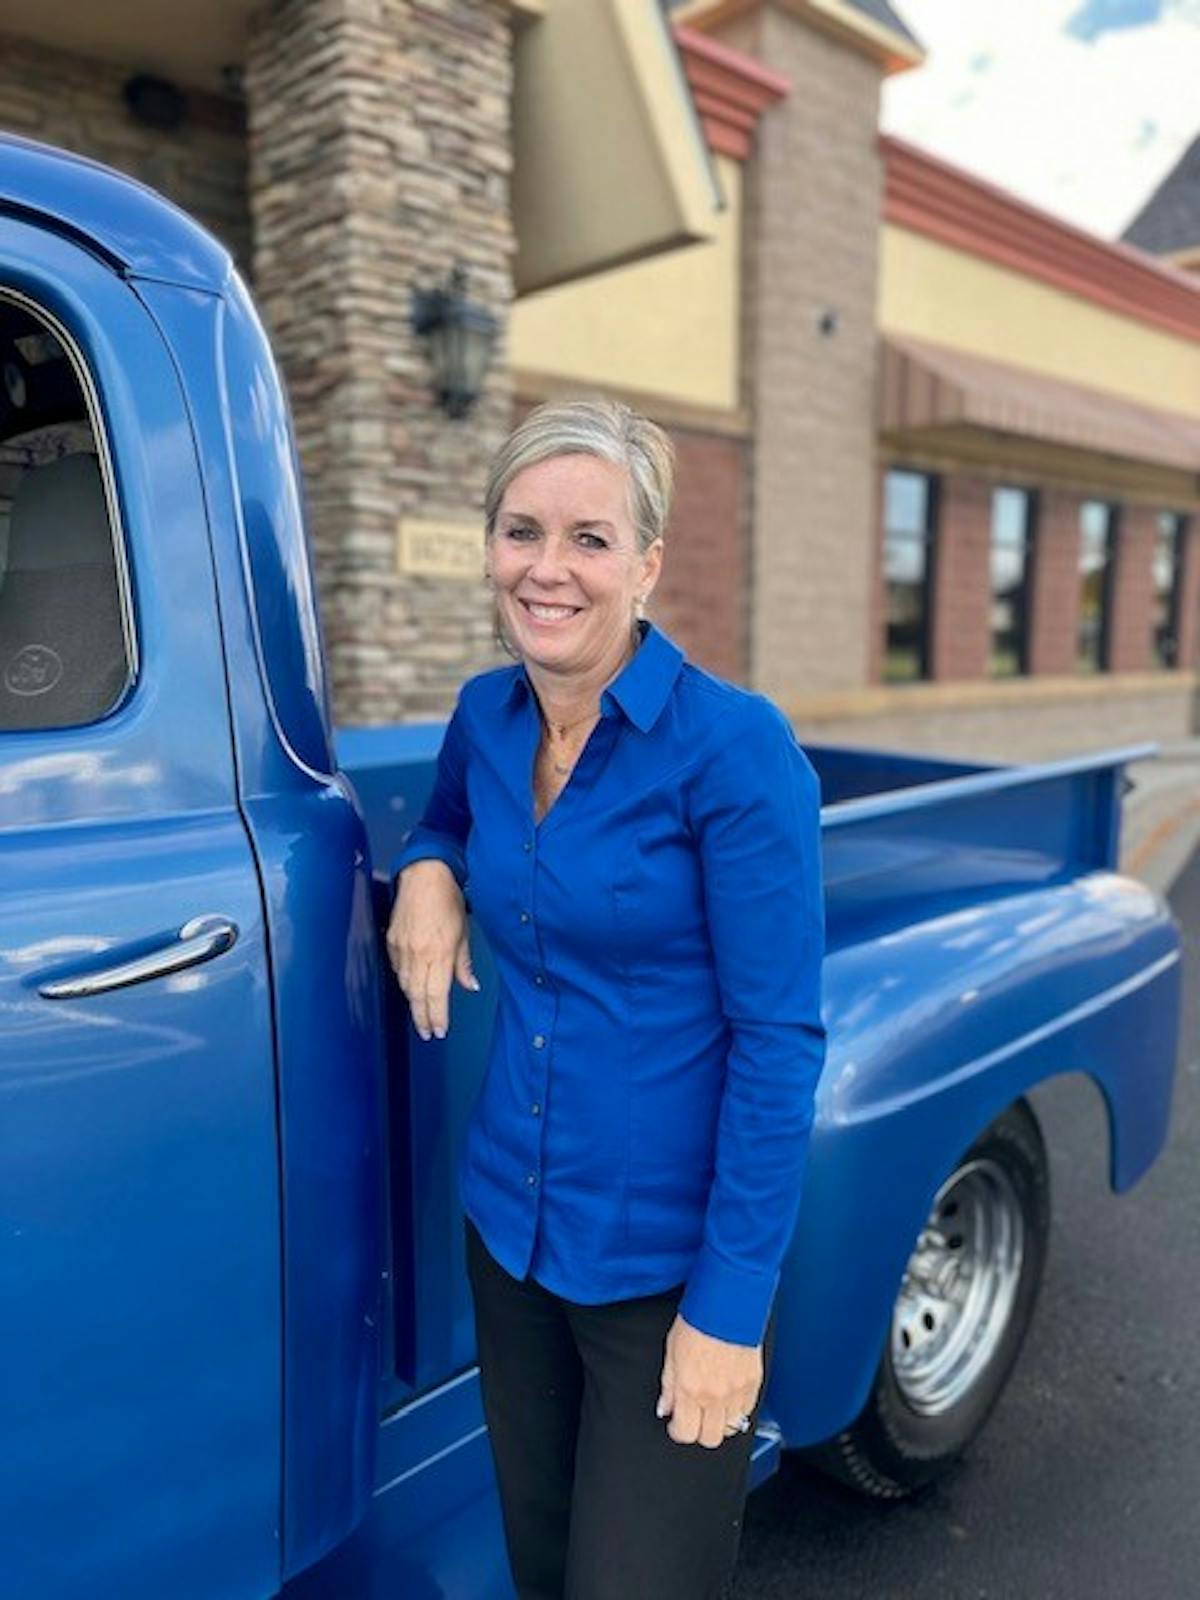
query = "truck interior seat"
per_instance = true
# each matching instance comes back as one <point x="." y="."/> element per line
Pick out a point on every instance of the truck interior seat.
<point x="62" y="646"/>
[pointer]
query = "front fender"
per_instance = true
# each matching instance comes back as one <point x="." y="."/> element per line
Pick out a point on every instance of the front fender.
<point x="935" y="1028"/>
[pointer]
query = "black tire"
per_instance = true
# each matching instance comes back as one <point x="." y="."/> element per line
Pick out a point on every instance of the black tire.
<point x="895" y="1446"/>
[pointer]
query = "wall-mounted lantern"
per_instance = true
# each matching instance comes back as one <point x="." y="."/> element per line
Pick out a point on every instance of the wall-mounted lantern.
<point x="155" y="102"/>
<point x="460" y="336"/>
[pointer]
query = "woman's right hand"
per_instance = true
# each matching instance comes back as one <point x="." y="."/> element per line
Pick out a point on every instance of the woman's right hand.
<point x="427" y="943"/>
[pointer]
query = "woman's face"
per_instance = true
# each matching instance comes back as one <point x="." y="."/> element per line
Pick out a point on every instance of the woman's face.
<point x="564" y="561"/>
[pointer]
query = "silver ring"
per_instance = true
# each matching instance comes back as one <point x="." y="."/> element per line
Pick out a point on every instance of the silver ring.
<point x="738" y="1425"/>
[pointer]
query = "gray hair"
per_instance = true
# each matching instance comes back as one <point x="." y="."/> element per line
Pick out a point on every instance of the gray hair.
<point x="604" y="428"/>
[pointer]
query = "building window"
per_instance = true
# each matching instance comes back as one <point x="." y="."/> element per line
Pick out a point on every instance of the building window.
<point x="1012" y="526"/>
<point x="908" y="520"/>
<point x="1096" y="524"/>
<point x="1168" y="596"/>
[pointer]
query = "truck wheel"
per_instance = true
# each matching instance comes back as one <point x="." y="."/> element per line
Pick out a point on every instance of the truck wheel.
<point x="961" y="1316"/>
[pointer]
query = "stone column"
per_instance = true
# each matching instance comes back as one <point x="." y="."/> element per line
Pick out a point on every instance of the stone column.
<point x="1054" y="598"/>
<point x="379" y="157"/>
<point x="960" y="625"/>
<point x="1131" y="619"/>
<point x="812" y="220"/>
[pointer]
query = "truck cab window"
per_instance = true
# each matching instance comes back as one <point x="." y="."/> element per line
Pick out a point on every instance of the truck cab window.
<point x="64" y="659"/>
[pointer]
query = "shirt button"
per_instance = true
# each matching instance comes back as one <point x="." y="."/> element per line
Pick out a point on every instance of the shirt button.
<point x="535" y="1110"/>
<point x="539" y="1039"/>
<point x="539" y="978"/>
<point x="531" y="1180"/>
<point x="524" y="916"/>
<point x="526" y="845"/>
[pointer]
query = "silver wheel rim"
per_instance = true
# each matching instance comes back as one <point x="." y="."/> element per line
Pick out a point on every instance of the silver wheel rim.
<point x="959" y="1288"/>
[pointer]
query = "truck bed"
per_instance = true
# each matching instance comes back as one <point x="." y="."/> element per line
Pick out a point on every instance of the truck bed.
<point x="897" y="828"/>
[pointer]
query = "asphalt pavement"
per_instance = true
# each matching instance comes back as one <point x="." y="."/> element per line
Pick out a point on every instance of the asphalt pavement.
<point x="1085" y="1484"/>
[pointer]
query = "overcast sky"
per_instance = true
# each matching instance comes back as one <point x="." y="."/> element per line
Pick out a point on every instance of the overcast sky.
<point x="1079" y="106"/>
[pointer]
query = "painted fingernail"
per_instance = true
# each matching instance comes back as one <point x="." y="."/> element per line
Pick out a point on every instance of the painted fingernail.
<point x="439" y="1033"/>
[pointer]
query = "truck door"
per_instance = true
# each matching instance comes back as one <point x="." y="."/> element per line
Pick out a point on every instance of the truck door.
<point x="140" y="1319"/>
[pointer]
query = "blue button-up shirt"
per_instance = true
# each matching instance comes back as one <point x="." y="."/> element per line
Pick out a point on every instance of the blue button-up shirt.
<point x="649" y="1094"/>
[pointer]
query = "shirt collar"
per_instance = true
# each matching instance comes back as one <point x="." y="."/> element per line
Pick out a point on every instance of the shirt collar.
<point x="643" y="685"/>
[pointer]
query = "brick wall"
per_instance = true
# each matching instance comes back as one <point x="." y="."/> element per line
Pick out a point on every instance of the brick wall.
<point x="379" y="142"/>
<point x="77" y="103"/>
<point x="960" y="633"/>
<point x="811" y="247"/>
<point x="701" y="597"/>
<point x="1131" y="617"/>
<point x="1054" y="587"/>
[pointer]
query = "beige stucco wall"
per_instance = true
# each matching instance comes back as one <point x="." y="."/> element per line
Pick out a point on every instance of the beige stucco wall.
<point x="929" y="290"/>
<point x="667" y="326"/>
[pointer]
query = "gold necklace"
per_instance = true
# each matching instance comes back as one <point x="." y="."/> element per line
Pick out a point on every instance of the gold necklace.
<point x="562" y="729"/>
<point x="565" y="727"/>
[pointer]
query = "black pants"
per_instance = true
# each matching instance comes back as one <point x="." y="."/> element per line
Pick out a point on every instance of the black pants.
<point x="599" y="1502"/>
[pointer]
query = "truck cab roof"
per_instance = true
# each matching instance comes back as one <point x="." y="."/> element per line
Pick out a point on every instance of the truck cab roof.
<point x="133" y="228"/>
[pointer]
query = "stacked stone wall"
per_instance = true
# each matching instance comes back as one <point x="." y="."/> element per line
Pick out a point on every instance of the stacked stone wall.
<point x="78" y="103"/>
<point x="379" y="158"/>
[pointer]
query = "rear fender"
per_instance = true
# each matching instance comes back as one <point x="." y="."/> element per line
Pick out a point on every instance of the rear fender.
<point x="934" y="1030"/>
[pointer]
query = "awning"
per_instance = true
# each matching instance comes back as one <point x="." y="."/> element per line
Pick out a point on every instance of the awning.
<point x="610" y="162"/>
<point x="927" y="386"/>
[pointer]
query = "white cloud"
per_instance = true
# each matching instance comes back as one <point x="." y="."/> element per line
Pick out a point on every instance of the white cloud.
<point x="1085" y="130"/>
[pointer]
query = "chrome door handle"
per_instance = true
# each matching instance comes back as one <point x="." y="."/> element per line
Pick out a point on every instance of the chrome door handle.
<point x="198" y="940"/>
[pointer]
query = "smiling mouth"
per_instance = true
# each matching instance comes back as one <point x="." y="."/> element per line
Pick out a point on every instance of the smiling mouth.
<point x="541" y="613"/>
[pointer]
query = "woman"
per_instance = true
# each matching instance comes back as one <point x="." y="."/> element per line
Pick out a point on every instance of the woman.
<point x="640" y="842"/>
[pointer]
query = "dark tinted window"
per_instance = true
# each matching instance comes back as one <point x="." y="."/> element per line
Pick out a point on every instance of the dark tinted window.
<point x="1096" y="526"/>
<point x="1168" y="594"/>
<point x="1012" y="524"/>
<point x="908" y="519"/>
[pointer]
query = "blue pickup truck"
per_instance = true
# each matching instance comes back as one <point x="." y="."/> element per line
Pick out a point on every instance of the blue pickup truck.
<point x="235" y="1343"/>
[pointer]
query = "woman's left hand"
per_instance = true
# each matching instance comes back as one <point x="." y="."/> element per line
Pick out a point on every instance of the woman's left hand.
<point x="707" y="1386"/>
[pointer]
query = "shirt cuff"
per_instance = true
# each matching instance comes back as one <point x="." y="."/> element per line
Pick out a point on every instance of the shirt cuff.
<point x="728" y="1302"/>
<point x="429" y="848"/>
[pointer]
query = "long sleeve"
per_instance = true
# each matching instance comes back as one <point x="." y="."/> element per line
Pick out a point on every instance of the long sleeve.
<point x="754" y="808"/>
<point x="441" y="834"/>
